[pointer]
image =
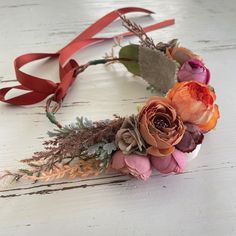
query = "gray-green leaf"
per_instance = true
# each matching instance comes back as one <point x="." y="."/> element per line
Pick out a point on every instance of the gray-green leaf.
<point x="157" y="69"/>
<point x="109" y="147"/>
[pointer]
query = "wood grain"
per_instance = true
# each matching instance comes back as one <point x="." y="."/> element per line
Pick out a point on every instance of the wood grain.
<point x="201" y="201"/>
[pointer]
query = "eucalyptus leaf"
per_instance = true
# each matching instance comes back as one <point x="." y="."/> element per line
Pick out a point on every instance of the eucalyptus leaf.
<point x="130" y="52"/>
<point x="95" y="148"/>
<point x="103" y="152"/>
<point x="83" y="122"/>
<point x="109" y="147"/>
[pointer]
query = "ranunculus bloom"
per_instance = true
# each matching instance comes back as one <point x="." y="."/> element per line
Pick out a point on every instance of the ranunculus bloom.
<point x="136" y="165"/>
<point x="192" y="137"/>
<point x="195" y="103"/>
<point x="194" y="69"/>
<point x="160" y="126"/>
<point x="181" y="55"/>
<point x="175" y="162"/>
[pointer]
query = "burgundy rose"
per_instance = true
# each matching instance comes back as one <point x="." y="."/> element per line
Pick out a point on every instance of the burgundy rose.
<point x="192" y="137"/>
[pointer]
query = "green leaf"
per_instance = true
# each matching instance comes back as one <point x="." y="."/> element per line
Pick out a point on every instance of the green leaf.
<point x="130" y="52"/>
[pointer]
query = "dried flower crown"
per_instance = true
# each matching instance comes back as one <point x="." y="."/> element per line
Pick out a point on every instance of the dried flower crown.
<point x="167" y="130"/>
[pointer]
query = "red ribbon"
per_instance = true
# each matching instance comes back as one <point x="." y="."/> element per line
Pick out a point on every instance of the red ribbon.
<point x="38" y="88"/>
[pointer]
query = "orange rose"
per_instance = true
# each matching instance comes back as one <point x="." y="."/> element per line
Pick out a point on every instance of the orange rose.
<point x="160" y="126"/>
<point x="195" y="103"/>
<point x="181" y="54"/>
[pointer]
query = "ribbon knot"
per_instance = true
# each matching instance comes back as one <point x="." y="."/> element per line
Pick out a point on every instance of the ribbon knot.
<point x="68" y="76"/>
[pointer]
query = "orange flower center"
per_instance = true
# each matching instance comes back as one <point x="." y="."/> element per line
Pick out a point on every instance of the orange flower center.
<point x="200" y="93"/>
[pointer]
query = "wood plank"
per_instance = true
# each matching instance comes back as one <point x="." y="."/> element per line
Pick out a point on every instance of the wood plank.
<point x="201" y="201"/>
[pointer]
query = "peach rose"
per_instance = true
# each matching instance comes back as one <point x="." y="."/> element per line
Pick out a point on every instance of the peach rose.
<point x="160" y="126"/>
<point x="195" y="103"/>
<point x="181" y="55"/>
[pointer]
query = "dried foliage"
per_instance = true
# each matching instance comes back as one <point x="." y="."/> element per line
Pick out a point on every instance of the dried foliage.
<point x="111" y="54"/>
<point x="82" y="169"/>
<point x="69" y="142"/>
<point x="78" y="150"/>
<point x="145" y="40"/>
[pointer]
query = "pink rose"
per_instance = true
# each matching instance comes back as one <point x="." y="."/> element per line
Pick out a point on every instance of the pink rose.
<point x="136" y="165"/>
<point x="195" y="70"/>
<point x="175" y="162"/>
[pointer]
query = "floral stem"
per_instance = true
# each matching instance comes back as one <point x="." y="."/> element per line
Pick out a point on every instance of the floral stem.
<point x="100" y="61"/>
<point x="50" y="113"/>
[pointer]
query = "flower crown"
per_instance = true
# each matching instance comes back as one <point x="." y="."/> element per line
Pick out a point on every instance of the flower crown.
<point x="165" y="133"/>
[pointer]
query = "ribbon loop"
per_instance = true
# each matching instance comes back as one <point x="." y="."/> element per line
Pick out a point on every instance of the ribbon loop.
<point x="25" y="99"/>
<point x="39" y="88"/>
<point x="32" y="82"/>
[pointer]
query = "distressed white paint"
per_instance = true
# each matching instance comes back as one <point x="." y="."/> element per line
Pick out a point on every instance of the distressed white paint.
<point x="201" y="201"/>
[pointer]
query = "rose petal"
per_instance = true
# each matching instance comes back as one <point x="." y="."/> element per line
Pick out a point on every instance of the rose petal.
<point x="175" y="162"/>
<point x="164" y="165"/>
<point x="195" y="103"/>
<point x="195" y="70"/>
<point x="117" y="161"/>
<point x="146" y="175"/>
<point x="181" y="55"/>
<point x="160" y="152"/>
<point x="139" y="163"/>
<point x="181" y="160"/>
<point x="211" y="124"/>
<point x="145" y="132"/>
<point x="192" y="137"/>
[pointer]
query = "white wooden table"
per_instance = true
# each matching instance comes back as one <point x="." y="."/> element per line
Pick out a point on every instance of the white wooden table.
<point x="201" y="201"/>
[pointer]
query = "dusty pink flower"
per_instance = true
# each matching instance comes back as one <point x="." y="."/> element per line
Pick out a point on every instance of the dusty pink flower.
<point x="136" y="165"/>
<point x="195" y="70"/>
<point x="175" y="162"/>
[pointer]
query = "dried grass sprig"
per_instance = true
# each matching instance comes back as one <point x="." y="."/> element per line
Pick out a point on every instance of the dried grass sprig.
<point x="65" y="147"/>
<point x="145" y="40"/>
<point x="82" y="169"/>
